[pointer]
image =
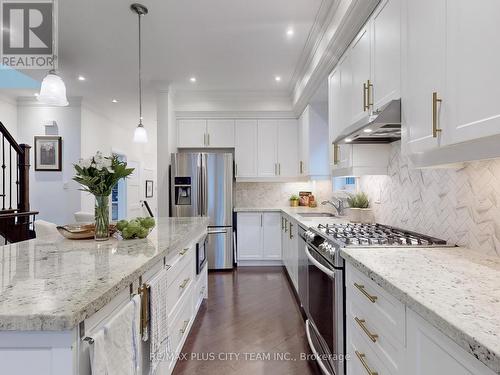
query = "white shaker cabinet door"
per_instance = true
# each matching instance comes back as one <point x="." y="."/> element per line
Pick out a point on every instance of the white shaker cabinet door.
<point x="360" y="68"/>
<point x="220" y="133"/>
<point x="191" y="133"/>
<point x="472" y="63"/>
<point x="271" y="227"/>
<point x="288" y="142"/>
<point x="429" y="352"/>
<point x="249" y="234"/>
<point x="267" y="148"/>
<point x="386" y="53"/>
<point x="304" y="127"/>
<point x="246" y="148"/>
<point x="423" y="71"/>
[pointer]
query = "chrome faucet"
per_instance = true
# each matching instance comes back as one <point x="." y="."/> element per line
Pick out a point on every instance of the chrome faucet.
<point x="339" y="206"/>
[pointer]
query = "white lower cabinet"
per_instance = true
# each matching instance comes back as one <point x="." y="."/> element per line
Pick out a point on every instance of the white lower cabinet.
<point x="386" y="337"/>
<point x="258" y="236"/>
<point x="432" y="353"/>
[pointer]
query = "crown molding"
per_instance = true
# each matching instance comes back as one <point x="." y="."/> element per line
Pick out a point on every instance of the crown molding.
<point x="234" y="114"/>
<point x="345" y="21"/>
<point x="323" y="18"/>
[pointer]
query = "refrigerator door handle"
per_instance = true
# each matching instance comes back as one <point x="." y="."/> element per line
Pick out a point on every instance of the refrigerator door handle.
<point x="200" y="185"/>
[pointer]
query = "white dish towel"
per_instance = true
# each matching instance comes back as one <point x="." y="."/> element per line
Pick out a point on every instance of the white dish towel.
<point x="158" y="335"/>
<point x="116" y="347"/>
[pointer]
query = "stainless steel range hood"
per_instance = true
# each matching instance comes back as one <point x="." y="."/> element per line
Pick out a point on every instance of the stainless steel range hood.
<point x="384" y="126"/>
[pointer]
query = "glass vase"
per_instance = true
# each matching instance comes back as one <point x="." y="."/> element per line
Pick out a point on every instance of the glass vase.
<point x="101" y="217"/>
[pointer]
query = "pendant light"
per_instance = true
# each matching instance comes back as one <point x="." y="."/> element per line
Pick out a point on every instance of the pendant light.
<point x="53" y="89"/>
<point x="140" y="135"/>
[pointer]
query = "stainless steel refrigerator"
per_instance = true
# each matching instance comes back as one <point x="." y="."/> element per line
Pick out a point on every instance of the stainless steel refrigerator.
<point x="202" y="185"/>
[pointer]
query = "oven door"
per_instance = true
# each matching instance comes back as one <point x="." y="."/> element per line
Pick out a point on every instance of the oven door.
<point x="325" y="326"/>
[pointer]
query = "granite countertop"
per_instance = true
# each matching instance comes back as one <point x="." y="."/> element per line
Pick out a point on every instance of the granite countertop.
<point x="52" y="284"/>
<point x="455" y="289"/>
<point x="294" y="212"/>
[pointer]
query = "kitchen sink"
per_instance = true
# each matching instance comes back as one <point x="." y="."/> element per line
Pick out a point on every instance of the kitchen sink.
<point x="317" y="214"/>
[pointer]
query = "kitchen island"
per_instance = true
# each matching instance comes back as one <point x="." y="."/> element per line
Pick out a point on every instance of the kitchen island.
<point x="51" y="287"/>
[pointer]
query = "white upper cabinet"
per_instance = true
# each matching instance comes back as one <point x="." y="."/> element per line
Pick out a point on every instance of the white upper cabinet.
<point x="304" y="128"/>
<point x="360" y="68"/>
<point x="267" y="148"/>
<point x="339" y="97"/>
<point x="386" y="53"/>
<point x="472" y="62"/>
<point x="245" y="149"/>
<point x="288" y="163"/>
<point x="220" y="133"/>
<point x="423" y="71"/>
<point x="191" y="133"/>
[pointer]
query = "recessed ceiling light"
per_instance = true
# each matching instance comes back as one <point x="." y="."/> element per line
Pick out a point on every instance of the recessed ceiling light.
<point x="192" y="79"/>
<point x="35" y="94"/>
<point x="348" y="140"/>
<point x="114" y="101"/>
<point x="81" y="78"/>
<point x="367" y="130"/>
<point x="290" y="32"/>
<point x="277" y="78"/>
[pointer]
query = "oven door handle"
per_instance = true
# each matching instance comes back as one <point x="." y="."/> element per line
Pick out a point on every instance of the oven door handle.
<point x="319" y="265"/>
<point x="315" y="352"/>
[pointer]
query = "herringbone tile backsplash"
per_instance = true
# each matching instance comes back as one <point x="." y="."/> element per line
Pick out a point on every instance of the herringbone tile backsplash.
<point x="460" y="205"/>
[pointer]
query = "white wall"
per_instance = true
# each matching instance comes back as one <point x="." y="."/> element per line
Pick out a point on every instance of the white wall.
<point x="8" y="115"/>
<point x="53" y="194"/>
<point x="100" y="133"/>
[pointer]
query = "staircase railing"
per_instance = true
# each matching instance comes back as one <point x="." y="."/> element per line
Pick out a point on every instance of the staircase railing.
<point x="16" y="219"/>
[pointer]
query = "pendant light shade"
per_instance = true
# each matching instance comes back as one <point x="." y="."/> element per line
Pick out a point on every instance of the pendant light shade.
<point x="140" y="135"/>
<point x="53" y="90"/>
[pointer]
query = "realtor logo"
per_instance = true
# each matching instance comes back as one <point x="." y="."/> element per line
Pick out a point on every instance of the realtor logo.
<point x="28" y="37"/>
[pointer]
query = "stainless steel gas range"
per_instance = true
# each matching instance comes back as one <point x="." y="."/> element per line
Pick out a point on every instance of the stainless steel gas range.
<point x="325" y="326"/>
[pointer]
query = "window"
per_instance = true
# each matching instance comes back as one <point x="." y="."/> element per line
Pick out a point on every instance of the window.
<point x="347" y="184"/>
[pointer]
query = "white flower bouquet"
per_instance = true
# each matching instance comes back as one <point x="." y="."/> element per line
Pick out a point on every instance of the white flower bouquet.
<point x="98" y="175"/>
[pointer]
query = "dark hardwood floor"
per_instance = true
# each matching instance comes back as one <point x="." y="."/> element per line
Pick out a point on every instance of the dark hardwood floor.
<point x="251" y="313"/>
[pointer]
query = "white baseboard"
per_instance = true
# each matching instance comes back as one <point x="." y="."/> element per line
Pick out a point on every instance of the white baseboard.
<point x="259" y="263"/>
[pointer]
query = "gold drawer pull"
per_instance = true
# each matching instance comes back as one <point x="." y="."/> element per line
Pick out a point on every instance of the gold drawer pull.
<point x="184" y="251"/>
<point x="435" y="127"/>
<point x="361" y="288"/>
<point x="184" y="327"/>
<point x="361" y="323"/>
<point x="202" y="290"/>
<point x="361" y="357"/>
<point x="184" y="283"/>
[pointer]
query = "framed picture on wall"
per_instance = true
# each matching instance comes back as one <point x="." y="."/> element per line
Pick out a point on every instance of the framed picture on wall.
<point x="48" y="153"/>
<point x="149" y="188"/>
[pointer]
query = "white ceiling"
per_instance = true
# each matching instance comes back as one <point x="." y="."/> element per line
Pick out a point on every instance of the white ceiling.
<point x="229" y="45"/>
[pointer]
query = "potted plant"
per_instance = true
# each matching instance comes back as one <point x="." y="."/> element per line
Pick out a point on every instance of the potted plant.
<point x="359" y="210"/>
<point x="294" y="200"/>
<point x="98" y="175"/>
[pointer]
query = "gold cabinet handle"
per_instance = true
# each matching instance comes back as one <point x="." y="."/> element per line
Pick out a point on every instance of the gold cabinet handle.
<point x="369" y="98"/>
<point x="361" y="288"/>
<point x="279" y="169"/>
<point x="301" y="167"/>
<point x="184" y="251"/>
<point x="184" y="327"/>
<point x="336" y="148"/>
<point x="184" y="283"/>
<point x="286" y="222"/>
<point x="290" y="228"/>
<point x="282" y="223"/>
<point x="202" y="290"/>
<point x="361" y="357"/>
<point x="361" y="323"/>
<point x="435" y="101"/>
<point x="365" y="105"/>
